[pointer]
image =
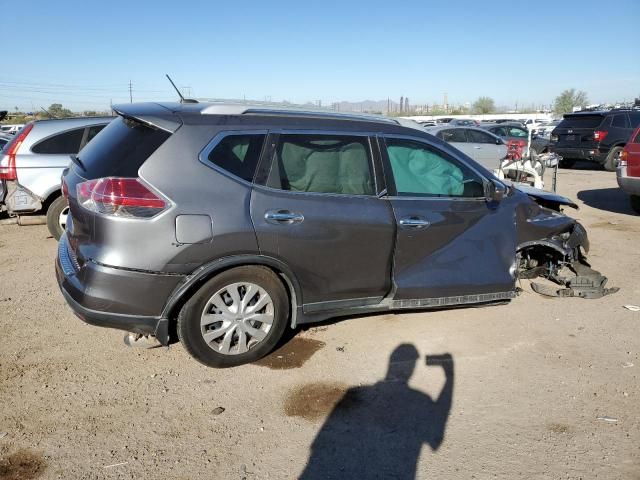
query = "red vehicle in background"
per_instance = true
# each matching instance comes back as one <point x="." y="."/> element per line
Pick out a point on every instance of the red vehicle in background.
<point x="628" y="171"/>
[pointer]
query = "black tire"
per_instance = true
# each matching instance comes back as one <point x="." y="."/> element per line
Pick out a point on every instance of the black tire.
<point x="189" y="329"/>
<point x="611" y="162"/>
<point x="635" y="203"/>
<point x="567" y="163"/>
<point x="53" y="217"/>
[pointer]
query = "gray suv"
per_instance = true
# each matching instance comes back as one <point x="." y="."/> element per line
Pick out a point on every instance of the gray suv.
<point x="227" y="224"/>
<point x="32" y="162"/>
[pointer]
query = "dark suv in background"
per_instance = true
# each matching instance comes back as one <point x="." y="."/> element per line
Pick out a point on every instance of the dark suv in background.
<point x="594" y="136"/>
<point x="229" y="223"/>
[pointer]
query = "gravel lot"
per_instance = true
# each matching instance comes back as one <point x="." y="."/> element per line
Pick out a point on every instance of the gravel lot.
<point x="539" y="388"/>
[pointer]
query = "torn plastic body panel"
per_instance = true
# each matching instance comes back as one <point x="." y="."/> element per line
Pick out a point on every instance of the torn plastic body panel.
<point x="553" y="246"/>
<point x="19" y="199"/>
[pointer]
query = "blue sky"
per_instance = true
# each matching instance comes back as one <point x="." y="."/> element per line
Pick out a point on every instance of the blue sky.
<point x="84" y="53"/>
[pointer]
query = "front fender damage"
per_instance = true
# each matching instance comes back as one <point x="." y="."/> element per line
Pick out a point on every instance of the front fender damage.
<point x="561" y="261"/>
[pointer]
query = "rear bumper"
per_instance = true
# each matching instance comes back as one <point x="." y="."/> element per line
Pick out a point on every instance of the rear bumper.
<point x="113" y="297"/>
<point x="630" y="185"/>
<point x="592" y="154"/>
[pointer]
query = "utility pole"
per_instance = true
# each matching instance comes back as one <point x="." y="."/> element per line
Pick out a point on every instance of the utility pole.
<point x="130" y="92"/>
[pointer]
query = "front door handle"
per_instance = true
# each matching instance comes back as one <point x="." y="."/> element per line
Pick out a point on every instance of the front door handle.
<point x="414" y="222"/>
<point x="477" y="148"/>
<point x="283" y="217"/>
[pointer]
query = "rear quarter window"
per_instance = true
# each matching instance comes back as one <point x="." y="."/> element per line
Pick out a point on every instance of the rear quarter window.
<point x="60" y="144"/>
<point x="238" y="154"/>
<point x="620" y="121"/>
<point x="120" y="149"/>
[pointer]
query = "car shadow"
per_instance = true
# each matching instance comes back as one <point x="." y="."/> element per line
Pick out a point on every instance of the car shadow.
<point x="378" y="430"/>
<point x="608" y="199"/>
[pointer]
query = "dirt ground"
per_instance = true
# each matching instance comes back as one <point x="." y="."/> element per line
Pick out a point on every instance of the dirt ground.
<point x="537" y="389"/>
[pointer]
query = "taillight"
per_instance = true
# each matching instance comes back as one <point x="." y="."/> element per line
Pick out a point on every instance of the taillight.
<point x="120" y="197"/>
<point x="599" y="135"/>
<point x="624" y="156"/>
<point x="8" y="161"/>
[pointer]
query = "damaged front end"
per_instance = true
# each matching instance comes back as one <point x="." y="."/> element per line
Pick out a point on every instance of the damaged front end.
<point x="553" y="246"/>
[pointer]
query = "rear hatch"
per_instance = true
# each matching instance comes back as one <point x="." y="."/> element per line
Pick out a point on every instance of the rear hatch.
<point x="102" y="180"/>
<point x="576" y="130"/>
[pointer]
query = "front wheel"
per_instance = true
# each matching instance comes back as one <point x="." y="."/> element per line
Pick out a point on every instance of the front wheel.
<point x="236" y="317"/>
<point x="57" y="217"/>
<point x="612" y="160"/>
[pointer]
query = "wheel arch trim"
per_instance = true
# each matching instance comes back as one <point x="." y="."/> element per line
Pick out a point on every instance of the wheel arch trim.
<point x="202" y="274"/>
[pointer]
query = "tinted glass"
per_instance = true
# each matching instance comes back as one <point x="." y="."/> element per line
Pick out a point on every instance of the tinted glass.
<point x="63" y="143"/>
<point x="238" y="154"/>
<point x="454" y="135"/>
<point x="93" y="131"/>
<point x="581" y="121"/>
<point x="500" y="131"/>
<point x="637" y="139"/>
<point x="635" y="119"/>
<point x="480" y="137"/>
<point x="322" y="164"/>
<point x="517" y="132"/>
<point x="620" y="121"/>
<point x="420" y="170"/>
<point x="120" y="149"/>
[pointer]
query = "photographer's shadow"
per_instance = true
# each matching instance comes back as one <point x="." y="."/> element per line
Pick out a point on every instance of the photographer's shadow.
<point x="377" y="431"/>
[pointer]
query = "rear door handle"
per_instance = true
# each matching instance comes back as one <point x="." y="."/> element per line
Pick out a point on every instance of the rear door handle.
<point x="283" y="217"/>
<point x="477" y="148"/>
<point x="414" y="222"/>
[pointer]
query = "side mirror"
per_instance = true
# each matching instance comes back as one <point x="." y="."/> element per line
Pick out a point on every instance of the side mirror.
<point x="499" y="142"/>
<point x="494" y="192"/>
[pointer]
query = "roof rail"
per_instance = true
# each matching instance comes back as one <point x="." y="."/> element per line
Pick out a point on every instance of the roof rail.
<point x="240" y="109"/>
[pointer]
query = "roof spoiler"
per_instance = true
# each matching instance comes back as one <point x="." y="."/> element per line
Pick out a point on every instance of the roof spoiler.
<point x="153" y="114"/>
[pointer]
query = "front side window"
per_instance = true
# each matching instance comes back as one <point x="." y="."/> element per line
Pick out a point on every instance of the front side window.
<point x="517" y="132"/>
<point x="65" y="143"/>
<point x="480" y="137"/>
<point x="420" y="170"/>
<point x="338" y="164"/>
<point x="238" y="154"/>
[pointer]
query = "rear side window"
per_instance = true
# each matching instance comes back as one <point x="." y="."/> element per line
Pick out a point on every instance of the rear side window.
<point x="322" y="164"/>
<point x="238" y="154"/>
<point x="620" y="121"/>
<point x="120" y="149"/>
<point x="455" y="135"/>
<point x="635" y="119"/>
<point x="581" y="121"/>
<point x="60" y="144"/>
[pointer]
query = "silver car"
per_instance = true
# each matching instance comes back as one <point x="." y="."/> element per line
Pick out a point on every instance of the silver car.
<point x="32" y="162"/>
<point x="485" y="148"/>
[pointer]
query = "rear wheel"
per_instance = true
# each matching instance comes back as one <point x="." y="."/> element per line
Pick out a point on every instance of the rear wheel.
<point x="57" y="217"/>
<point x="236" y="317"/>
<point x="635" y="202"/>
<point x="611" y="163"/>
